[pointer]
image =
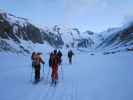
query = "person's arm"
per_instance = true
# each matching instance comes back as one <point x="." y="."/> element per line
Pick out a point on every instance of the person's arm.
<point x="72" y="53"/>
<point x="42" y="61"/>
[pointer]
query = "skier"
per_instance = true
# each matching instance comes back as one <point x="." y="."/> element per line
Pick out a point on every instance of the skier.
<point x="37" y="60"/>
<point x="70" y="54"/>
<point x="55" y="62"/>
<point x="59" y="55"/>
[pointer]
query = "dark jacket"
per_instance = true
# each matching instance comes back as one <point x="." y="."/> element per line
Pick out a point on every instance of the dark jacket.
<point x="70" y="53"/>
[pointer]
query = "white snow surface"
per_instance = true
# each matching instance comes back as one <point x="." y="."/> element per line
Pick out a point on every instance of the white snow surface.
<point x="45" y="47"/>
<point x="28" y="45"/>
<point x="71" y="35"/>
<point x="13" y="19"/>
<point x="97" y="77"/>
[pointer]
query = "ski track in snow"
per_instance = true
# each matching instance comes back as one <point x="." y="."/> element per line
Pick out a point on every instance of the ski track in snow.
<point x="87" y="79"/>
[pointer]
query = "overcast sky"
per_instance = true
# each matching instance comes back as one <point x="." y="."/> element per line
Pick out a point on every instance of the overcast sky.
<point x="95" y="15"/>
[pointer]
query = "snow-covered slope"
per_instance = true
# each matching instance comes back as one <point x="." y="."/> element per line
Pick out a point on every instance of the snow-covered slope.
<point x="72" y="37"/>
<point x="14" y="31"/>
<point x="97" y="77"/>
<point x="118" y="39"/>
<point x="13" y="19"/>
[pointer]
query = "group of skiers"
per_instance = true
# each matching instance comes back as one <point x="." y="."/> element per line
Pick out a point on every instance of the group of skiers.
<point x="55" y="59"/>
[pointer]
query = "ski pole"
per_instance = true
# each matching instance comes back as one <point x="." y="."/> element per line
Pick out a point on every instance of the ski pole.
<point x="48" y="73"/>
<point x="43" y="68"/>
<point x="43" y="71"/>
<point x="62" y="72"/>
<point x="31" y="74"/>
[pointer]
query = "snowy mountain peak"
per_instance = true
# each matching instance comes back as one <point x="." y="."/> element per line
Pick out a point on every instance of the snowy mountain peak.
<point x="20" y="29"/>
<point x="13" y="19"/>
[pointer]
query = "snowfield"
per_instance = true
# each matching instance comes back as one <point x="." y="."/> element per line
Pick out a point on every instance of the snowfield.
<point x="90" y="77"/>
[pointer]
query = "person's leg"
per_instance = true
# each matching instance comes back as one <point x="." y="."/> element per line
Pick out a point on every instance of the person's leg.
<point x="38" y="72"/>
<point x="36" y="75"/>
<point x="70" y="60"/>
<point x="56" y="72"/>
<point x="52" y="74"/>
<point x="56" y="75"/>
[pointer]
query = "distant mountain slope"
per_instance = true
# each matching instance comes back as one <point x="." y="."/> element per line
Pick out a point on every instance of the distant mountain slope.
<point x="19" y="35"/>
<point x="14" y="30"/>
<point x="72" y="37"/>
<point x="120" y="38"/>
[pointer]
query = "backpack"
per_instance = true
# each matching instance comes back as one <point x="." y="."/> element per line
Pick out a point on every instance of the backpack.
<point x="70" y="54"/>
<point x="35" y="61"/>
<point x="55" y="59"/>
